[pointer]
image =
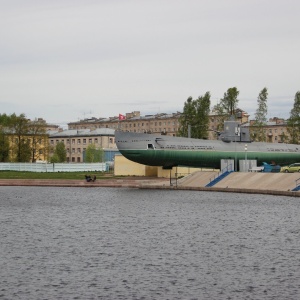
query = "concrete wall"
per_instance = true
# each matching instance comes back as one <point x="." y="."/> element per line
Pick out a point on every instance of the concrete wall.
<point x="125" y="167"/>
<point x="180" y="171"/>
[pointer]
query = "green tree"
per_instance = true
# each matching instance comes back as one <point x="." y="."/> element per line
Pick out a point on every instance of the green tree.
<point x="196" y="116"/>
<point x="60" y="153"/>
<point x="260" y="117"/>
<point x="229" y="101"/>
<point x="4" y="141"/>
<point x="4" y="147"/>
<point x="20" y="130"/>
<point x="4" y="120"/>
<point x="54" y="159"/>
<point x="200" y="129"/>
<point x="93" y="154"/>
<point x="294" y="121"/>
<point x="37" y="130"/>
<point x="226" y="107"/>
<point x="187" y="117"/>
<point x="220" y="116"/>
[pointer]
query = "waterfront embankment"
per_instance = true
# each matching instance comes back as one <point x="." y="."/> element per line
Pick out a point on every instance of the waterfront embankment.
<point x="280" y="184"/>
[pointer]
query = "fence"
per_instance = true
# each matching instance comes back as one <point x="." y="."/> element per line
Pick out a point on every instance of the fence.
<point x="56" y="167"/>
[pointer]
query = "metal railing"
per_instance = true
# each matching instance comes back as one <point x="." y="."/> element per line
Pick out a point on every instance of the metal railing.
<point x="55" y="167"/>
<point x="297" y="182"/>
<point x="224" y="170"/>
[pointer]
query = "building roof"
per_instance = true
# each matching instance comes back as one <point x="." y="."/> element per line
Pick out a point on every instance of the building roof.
<point x="83" y="132"/>
<point x="134" y="117"/>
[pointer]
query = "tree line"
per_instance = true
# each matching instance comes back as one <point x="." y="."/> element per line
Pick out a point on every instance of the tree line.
<point x="194" y="119"/>
<point x="24" y="140"/>
<point x="21" y="139"/>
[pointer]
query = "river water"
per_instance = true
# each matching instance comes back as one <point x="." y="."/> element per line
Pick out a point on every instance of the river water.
<point x="117" y="243"/>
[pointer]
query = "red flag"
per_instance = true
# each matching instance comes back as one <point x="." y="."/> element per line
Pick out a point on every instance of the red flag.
<point x="121" y="117"/>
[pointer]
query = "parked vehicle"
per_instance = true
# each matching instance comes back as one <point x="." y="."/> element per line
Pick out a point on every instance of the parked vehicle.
<point x="270" y="168"/>
<point x="291" y="168"/>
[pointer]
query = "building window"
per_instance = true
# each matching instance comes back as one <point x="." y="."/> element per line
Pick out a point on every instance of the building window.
<point x="78" y="150"/>
<point x="84" y="141"/>
<point x="90" y="141"/>
<point x="73" y="150"/>
<point x="51" y="142"/>
<point x="79" y="141"/>
<point x="73" y="141"/>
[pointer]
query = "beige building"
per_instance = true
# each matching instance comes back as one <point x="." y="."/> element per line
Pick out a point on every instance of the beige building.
<point x="134" y="122"/>
<point x="275" y="130"/>
<point x="76" y="141"/>
<point x="157" y="124"/>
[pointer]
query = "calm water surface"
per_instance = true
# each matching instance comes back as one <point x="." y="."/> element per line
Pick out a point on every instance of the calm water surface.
<point x="102" y="243"/>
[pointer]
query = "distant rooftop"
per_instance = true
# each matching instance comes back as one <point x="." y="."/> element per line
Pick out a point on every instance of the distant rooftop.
<point x="83" y="132"/>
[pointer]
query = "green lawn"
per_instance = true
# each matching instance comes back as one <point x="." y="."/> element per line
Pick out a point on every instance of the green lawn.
<point x="58" y="175"/>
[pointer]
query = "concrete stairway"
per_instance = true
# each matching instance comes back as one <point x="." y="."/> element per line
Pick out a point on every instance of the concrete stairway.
<point x="243" y="180"/>
<point x="218" y="179"/>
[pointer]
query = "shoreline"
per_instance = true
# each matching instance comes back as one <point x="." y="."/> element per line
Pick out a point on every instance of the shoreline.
<point x="139" y="183"/>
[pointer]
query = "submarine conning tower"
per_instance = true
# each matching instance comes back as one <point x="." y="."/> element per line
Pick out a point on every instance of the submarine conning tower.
<point x="234" y="132"/>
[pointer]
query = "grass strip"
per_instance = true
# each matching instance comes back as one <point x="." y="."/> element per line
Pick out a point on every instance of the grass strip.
<point x="56" y="175"/>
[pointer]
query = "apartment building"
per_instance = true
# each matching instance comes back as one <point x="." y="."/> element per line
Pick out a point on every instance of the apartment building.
<point x="275" y="130"/>
<point x="161" y="123"/>
<point x="77" y="140"/>
<point x="134" y="122"/>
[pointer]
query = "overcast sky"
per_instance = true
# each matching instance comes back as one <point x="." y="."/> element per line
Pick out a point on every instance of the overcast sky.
<point x="65" y="60"/>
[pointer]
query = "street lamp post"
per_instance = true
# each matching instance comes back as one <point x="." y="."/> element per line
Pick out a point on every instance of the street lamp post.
<point x="237" y="133"/>
<point x="235" y="158"/>
<point x="246" y="162"/>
